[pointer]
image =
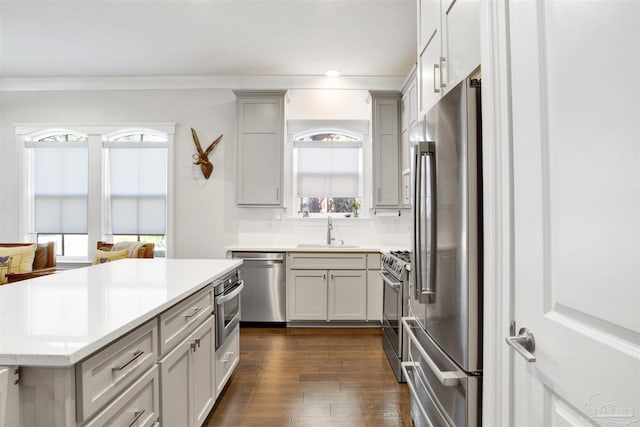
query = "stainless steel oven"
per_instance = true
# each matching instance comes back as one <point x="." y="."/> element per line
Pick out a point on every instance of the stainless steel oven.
<point x="226" y="297"/>
<point x="395" y="277"/>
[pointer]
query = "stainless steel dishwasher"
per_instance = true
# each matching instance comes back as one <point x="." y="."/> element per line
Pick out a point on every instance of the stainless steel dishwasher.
<point x="264" y="296"/>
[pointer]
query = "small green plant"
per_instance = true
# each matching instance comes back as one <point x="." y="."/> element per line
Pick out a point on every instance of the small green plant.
<point x="355" y="207"/>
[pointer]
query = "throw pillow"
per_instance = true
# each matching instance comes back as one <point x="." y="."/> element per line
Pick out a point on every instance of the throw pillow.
<point x="5" y="264"/>
<point x="22" y="257"/>
<point x="108" y="256"/>
<point x="132" y="247"/>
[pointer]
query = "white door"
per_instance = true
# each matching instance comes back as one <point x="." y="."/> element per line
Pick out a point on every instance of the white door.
<point x="576" y="147"/>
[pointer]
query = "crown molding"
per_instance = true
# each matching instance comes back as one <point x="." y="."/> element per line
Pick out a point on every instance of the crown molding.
<point x="200" y="82"/>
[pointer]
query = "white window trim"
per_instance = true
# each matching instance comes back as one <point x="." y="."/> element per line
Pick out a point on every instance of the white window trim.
<point x="97" y="133"/>
<point x="298" y="128"/>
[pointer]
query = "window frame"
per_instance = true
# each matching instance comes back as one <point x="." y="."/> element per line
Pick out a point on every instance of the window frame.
<point x="97" y="133"/>
<point x="297" y="129"/>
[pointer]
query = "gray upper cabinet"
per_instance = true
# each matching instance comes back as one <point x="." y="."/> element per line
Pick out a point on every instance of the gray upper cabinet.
<point x="260" y="130"/>
<point x="386" y="149"/>
<point x="409" y="122"/>
<point x="449" y="46"/>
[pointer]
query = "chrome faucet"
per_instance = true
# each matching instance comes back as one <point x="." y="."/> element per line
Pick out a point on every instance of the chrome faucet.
<point x="329" y="229"/>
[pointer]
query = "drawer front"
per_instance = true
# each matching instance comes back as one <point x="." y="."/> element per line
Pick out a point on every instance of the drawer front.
<point x="373" y="261"/>
<point x="109" y="372"/>
<point x="311" y="261"/>
<point x="227" y="357"/>
<point x="138" y="406"/>
<point x="180" y="320"/>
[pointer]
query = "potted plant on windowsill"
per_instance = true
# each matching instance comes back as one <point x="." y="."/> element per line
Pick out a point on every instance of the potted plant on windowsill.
<point x="355" y="207"/>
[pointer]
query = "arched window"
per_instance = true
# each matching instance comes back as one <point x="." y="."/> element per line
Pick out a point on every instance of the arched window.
<point x="328" y="171"/>
<point x="84" y="183"/>
<point x="136" y="186"/>
<point x="59" y="165"/>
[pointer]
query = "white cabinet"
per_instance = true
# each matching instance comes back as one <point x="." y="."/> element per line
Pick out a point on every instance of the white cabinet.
<point x="386" y="148"/>
<point x="227" y="358"/>
<point x="374" y="288"/>
<point x="188" y="378"/>
<point x="137" y="407"/>
<point x="327" y="295"/>
<point x="328" y="286"/>
<point x="430" y="73"/>
<point x="347" y="295"/>
<point x="449" y="48"/>
<point x="409" y="122"/>
<point x="106" y="374"/>
<point x="260" y="141"/>
<point x="307" y="295"/>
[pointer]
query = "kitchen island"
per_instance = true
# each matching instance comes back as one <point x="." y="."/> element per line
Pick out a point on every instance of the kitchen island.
<point x="91" y="344"/>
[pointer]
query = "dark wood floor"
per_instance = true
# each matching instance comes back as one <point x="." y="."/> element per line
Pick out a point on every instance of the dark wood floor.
<point x="312" y="377"/>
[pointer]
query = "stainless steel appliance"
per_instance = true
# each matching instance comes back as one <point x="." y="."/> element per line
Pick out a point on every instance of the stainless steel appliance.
<point x="395" y="294"/>
<point x="264" y="296"/>
<point x="445" y="349"/>
<point x="226" y="297"/>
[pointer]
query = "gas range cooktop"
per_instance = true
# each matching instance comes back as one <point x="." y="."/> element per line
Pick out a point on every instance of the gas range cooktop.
<point x="396" y="263"/>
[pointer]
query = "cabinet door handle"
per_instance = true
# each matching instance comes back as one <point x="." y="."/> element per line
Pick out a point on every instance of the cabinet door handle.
<point x="193" y="346"/>
<point x="435" y="67"/>
<point x="198" y="342"/>
<point x="277" y="194"/>
<point x="136" y="354"/>
<point x="324" y="276"/>
<point x="331" y="276"/>
<point x="442" y="83"/>
<point x="193" y="312"/>
<point x="136" y="417"/>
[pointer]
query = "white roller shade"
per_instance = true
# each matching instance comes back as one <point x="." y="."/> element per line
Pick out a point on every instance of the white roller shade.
<point x="328" y="172"/>
<point x="61" y="176"/>
<point x="138" y="190"/>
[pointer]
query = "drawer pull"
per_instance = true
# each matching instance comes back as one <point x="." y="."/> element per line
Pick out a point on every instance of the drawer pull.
<point x="136" y="417"/>
<point x="193" y="312"/>
<point x="136" y="354"/>
<point x="227" y="357"/>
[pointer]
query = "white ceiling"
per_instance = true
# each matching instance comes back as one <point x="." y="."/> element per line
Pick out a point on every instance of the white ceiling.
<point x="110" y="38"/>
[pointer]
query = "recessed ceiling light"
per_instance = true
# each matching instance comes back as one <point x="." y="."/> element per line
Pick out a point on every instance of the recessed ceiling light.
<point x="332" y="73"/>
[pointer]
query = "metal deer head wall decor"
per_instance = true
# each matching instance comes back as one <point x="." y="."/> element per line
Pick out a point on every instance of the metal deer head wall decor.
<point x="202" y="157"/>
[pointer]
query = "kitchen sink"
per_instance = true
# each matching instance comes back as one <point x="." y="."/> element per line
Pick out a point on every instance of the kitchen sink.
<point x="323" y="246"/>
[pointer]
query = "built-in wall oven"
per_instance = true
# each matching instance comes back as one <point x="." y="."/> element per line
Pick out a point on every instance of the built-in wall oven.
<point x="226" y="297"/>
<point x="395" y="294"/>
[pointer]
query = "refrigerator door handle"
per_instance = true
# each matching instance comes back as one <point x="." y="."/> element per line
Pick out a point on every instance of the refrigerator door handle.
<point x="425" y="152"/>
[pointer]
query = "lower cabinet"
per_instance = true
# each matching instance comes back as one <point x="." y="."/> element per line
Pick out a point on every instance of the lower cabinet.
<point x="307" y="295"/>
<point x="327" y="295"/>
<point x="188" y="379"/>
<point x="136" y="407"/>
<point x="227" y="358"/>
<point x="347" y="295"/>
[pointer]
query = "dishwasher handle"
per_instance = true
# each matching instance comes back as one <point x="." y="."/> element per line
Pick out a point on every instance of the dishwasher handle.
<point x="273" y="260"/>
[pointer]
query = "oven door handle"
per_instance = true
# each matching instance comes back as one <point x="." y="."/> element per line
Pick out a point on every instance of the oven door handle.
<point x="224" y="298"/>
<point x="446" y="378"/>
<point x="393" y="283"/>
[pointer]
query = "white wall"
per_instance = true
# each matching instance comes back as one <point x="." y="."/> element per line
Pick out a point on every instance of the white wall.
<point x="206" y="218"/>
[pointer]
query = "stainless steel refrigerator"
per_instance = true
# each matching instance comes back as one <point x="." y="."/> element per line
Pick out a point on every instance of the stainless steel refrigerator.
<point x="445" y="327"/>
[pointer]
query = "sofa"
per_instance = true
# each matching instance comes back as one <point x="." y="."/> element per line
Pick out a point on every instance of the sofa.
<point x="44" y="261"/>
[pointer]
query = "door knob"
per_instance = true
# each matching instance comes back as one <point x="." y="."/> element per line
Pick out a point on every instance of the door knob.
<point x="524" y="343"/>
